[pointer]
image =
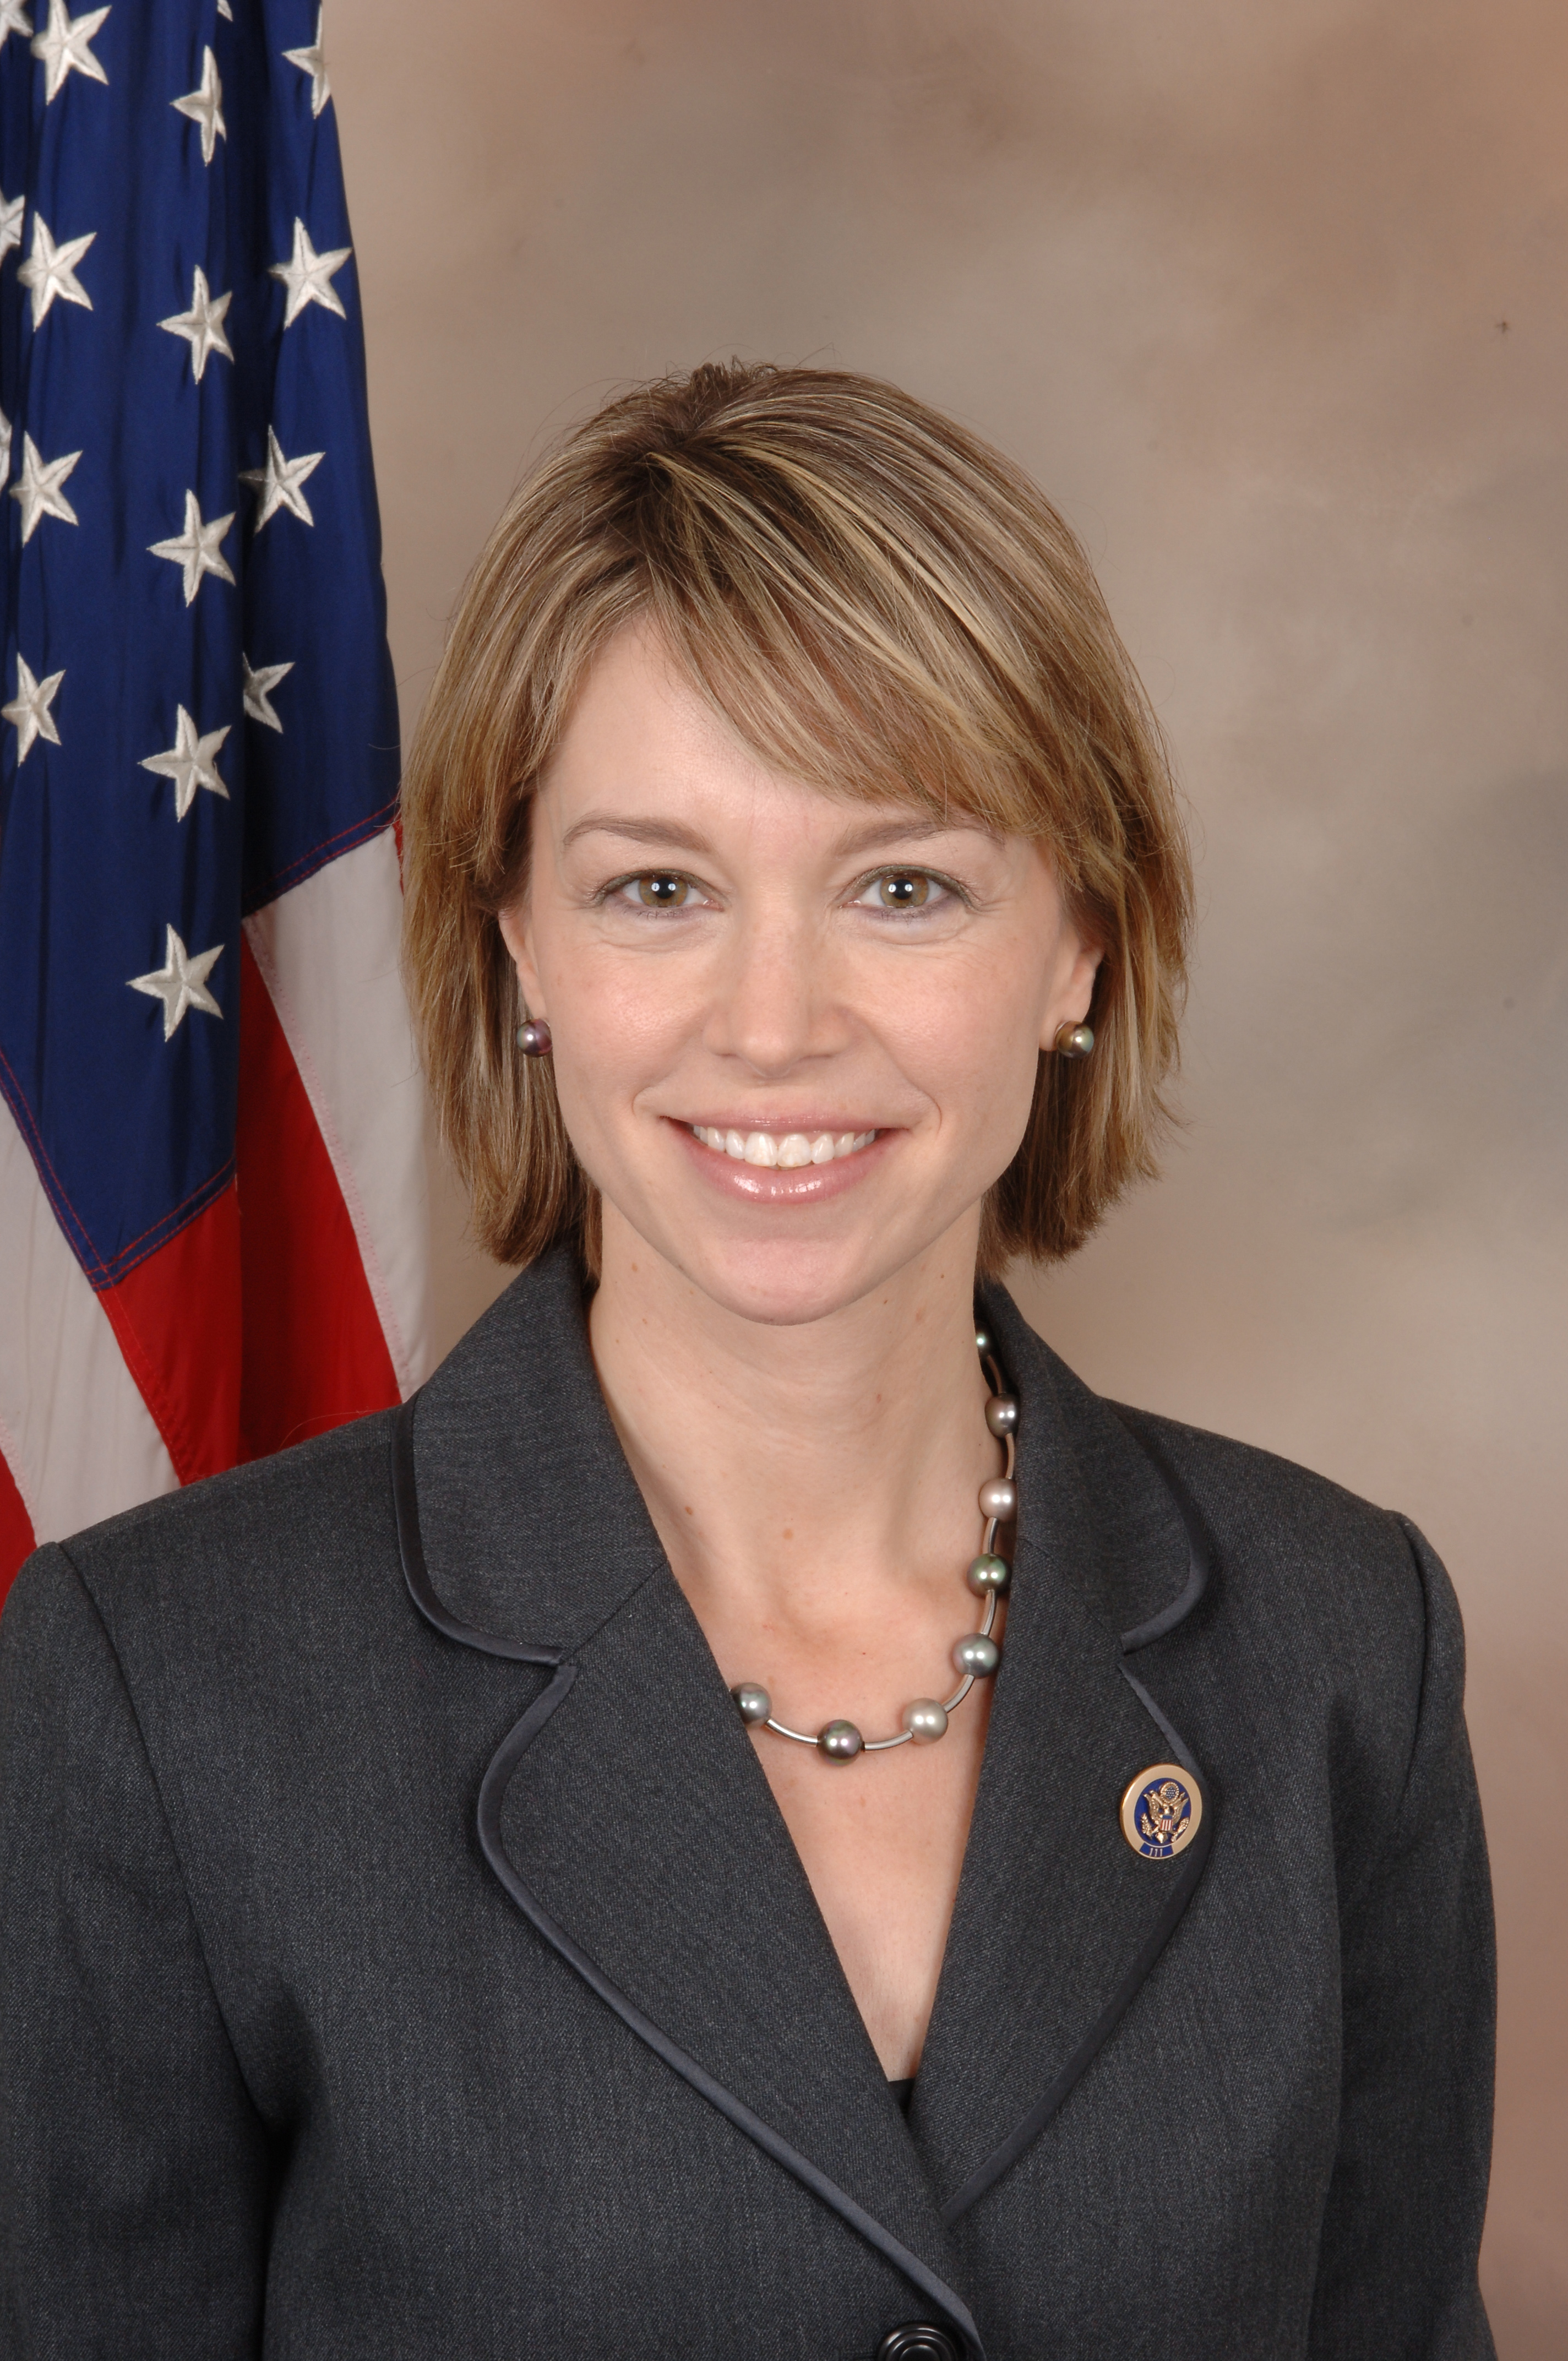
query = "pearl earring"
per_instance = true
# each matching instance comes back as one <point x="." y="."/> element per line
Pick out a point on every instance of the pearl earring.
<point x="1073" y="1041"/>
<point x="533" y="1040"/>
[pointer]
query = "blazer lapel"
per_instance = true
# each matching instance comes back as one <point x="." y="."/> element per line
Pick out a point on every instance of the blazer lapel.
<point x="1057" y="1921"/>
<point x="626" y="1813"/>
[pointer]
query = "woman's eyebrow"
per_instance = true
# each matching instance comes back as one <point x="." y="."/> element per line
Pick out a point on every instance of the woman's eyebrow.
<point x="636" y="831"/>
<point x="906" y="828"/>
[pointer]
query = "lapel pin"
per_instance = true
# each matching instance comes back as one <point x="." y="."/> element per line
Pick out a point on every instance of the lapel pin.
<point x="1161" y="1811"/>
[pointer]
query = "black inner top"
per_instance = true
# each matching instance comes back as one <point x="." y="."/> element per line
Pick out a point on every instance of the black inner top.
<point x="903" y="2091"/>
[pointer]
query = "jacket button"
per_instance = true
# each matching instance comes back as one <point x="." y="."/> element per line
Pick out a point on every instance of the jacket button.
<point x="917" y="2340"/>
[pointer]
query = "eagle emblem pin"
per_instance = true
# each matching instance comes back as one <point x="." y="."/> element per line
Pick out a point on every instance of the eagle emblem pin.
<point x="1161" y="1811"/>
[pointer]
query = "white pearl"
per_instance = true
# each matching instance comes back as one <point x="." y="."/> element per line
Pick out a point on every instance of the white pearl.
<point x="999" y="1499"/>
<point x="926" y="1720"/>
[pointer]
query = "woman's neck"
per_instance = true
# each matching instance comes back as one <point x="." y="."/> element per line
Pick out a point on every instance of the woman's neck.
<point x="785" y="1465"/>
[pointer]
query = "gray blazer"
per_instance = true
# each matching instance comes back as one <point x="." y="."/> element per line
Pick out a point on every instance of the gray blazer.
<point x="403" y="1956"/>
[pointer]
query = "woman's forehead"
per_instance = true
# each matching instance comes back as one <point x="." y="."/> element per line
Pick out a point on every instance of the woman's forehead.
<point x="646" y="747"/>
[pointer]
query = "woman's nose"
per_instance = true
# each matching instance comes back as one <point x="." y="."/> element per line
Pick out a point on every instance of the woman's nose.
<point x="773" y="1005"/>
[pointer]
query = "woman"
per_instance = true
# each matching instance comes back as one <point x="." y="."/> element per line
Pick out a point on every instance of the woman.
<point x="755" y="1819"/>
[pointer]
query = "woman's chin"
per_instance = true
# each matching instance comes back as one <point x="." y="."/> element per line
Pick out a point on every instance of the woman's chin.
<point x="786" y="1281"/>
<point x="789" y="1287"/>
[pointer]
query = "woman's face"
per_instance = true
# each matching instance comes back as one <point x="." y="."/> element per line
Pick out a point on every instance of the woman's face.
<point x="794" y="1038"/>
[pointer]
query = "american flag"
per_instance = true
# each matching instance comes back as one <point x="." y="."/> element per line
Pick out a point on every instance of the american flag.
<point x="212" y="1185"/>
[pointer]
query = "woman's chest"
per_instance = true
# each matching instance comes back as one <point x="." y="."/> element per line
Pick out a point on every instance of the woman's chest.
<point x="882" y="1840"/>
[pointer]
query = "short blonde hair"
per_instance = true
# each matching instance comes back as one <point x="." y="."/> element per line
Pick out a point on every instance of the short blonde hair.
<point x="880" y="605"/>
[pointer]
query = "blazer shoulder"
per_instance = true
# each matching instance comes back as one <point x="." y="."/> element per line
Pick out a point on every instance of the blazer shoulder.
<point x="308" y="1509"/>
<point x="1308" y="1563"/>
<point x="1256" y="1500"/>
<point x="1332" y="1578"/>
<point x="1243" y="1475"/>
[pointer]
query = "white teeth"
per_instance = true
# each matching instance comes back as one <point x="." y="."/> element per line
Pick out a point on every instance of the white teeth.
<point x="792" y="1151"/>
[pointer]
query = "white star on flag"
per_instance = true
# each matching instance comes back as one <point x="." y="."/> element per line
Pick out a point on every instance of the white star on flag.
<point x="313" y="62"/>
<point x="204" y="106"/>
<point x="196" y="549"/>
<point x="37" y="488"/>
<point x="50" y="271"/>
<point x="11" y="212"/>
<point x="202" y="325"/>
<point x="180" y="982"/>
<point x="29" y="709"/>
<point x="261" y="680"/>
<point x="279" y="482"/>
<point x="63" y="44"/>
<point x="14" y="19"/>
<point x="308" y="276"/>
<point x="4" y="446"/>
<point x="191" y="762"/>
<point x="224" y="10"/>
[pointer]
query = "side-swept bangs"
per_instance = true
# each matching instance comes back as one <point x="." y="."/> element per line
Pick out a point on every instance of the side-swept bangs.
<point x="877" y="603"/>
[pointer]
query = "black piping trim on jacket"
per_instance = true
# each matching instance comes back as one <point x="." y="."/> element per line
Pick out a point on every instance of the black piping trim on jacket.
<point x="416" y="1574"/>
<point x="497" y="1780"/>
<point x="1024" y="2132"/>
<point x="1200" y="1552"/>
<point x="492" y="1794"/>
<point x="1200" y="1569"/>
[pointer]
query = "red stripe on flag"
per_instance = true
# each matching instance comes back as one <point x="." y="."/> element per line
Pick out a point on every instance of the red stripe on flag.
<point x="254" y="1325"/>
<point x="16" y="1528"/>
<point x="177" y="1318"/>
<point x="314" y="1352"/>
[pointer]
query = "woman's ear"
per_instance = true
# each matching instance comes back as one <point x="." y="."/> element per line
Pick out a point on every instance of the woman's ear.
<point x="1070" y="1003"/>
<point x="517" y="935"/>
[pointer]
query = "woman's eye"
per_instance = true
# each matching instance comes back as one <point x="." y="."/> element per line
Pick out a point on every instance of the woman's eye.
<point x="660" y="891"/>
<point x="903" y="889"/>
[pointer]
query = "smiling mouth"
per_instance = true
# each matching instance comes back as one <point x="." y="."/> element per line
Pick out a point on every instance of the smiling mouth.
<point x="787" y="1150"/>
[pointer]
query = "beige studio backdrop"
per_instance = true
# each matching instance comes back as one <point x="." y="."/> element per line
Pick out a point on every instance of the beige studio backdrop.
<point x="1272" y="301"/>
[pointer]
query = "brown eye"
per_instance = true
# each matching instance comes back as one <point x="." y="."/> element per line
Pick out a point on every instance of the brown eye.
<point x="662" y="893"/>
<point x="903" y="890"/>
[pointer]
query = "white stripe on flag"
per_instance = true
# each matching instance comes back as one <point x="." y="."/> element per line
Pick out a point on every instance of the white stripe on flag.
<point x="85" y="1441"/>
<point x="328" y="952"/>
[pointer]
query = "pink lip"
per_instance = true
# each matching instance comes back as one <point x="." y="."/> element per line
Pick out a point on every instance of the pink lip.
<point x="763" y="1184"/>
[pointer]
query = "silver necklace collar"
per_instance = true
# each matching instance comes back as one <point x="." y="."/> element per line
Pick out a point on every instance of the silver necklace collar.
<point x="975" y="1657"/>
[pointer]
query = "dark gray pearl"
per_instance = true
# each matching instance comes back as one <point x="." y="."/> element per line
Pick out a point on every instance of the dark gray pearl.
<point x="752" y="1701"/>
<point x="926" y="1720"/>
<point x="988" y="1572"/>
<point x="977" y="1655"/>
<point x="1002" y="1413"/>
<point x="999" y="1499"/>
<point x="840" y="1741"/>
<point x="533" y="1040"/>
<point x="983" y="1340"/>
<point x="1074" y="1041"/>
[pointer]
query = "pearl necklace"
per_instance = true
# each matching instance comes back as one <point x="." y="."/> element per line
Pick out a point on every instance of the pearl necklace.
<point x="975" y="1657"/>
